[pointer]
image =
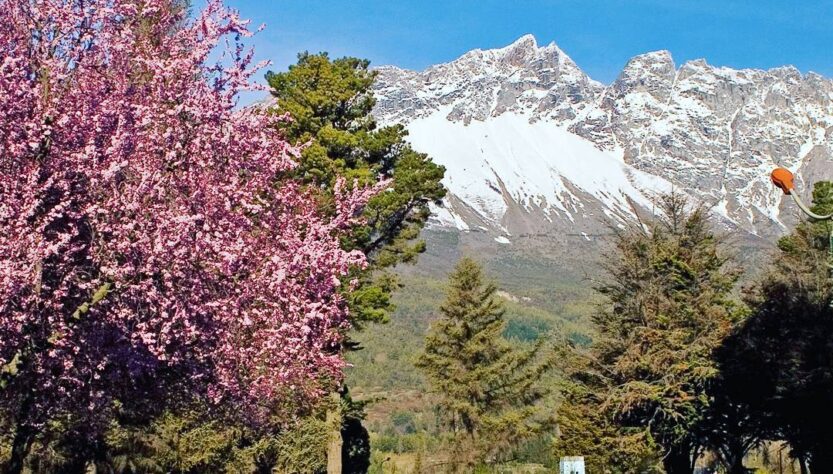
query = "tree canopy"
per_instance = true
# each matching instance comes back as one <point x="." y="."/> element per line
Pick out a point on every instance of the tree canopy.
<point x="778" y="366"/>
<point x="489" y="392"/>
<point x="330" y="101"/>
<point x="148" y="240"/>
<point x="669" y="307"/>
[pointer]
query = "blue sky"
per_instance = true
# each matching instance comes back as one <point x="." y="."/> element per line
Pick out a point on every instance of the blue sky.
<point x="599" y="35"/>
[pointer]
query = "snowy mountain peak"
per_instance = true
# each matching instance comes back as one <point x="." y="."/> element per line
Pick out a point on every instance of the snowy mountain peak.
<point x="532" y="143"/>
<point x="649" y="63"/>
<point x="521" y="78"/>
<point x="526" y="41"/>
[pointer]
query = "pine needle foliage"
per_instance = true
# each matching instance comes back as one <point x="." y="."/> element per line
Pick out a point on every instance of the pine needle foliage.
<point x="586" y="430"/>
<point x="669" y="306"/>
<point x="778" y="366"/>
<point x="330" y="102"/>
<point x="489" y="393"/>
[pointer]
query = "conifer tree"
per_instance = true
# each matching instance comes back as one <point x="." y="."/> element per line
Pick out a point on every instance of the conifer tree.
<point x="669" y="307"/>
<point x="778" y="366"/>
<point x="489" y="392"/>
<point x="330" y="102"/>
<point x="585" y="429"/>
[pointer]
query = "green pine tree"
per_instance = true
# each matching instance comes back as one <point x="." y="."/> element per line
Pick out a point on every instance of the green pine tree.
<point x="777" y="366"/>
<point x="330" y="102"/>
<point x="585" y="429"/>
<point x="670" y="306"/>
<point x="490" y="395"/>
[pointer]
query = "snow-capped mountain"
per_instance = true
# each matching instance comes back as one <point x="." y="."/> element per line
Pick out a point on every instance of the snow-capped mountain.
<point x="532" y="144"/>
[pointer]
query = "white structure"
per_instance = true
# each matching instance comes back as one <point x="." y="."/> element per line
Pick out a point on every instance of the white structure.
<point x="572" y="465"/>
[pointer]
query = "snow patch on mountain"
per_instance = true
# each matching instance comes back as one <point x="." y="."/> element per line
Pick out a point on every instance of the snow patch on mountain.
<point x="529" y="138"/>
<point x="506" y="160"/>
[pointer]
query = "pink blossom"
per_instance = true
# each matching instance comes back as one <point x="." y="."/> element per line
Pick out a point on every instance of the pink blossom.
<point x="127" y="173"/>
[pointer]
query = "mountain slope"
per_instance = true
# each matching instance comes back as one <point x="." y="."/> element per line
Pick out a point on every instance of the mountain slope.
<point x="534" y="145"/>
<point x="527" y="177"/>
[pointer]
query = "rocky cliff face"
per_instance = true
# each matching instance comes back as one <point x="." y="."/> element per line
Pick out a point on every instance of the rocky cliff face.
<point x="543" y="83"/>
<point x="533" y="145"/>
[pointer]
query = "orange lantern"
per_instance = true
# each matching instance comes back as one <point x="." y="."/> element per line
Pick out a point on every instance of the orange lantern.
<point x="782" y="178"/>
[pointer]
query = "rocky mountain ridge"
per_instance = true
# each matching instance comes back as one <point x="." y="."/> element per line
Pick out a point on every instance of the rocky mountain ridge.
<point x="533" y="145"/>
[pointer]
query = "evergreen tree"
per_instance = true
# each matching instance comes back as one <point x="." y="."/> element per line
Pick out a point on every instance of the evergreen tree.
<point x="778" y="367"/>
<point x="585" y="429"/>
<point x="670" y="306"/>
<point x="330" y="102"/>
<point x="489" y="392"/>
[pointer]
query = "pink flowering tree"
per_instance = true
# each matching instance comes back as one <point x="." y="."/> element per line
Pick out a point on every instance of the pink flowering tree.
<point x="147" y="239"/>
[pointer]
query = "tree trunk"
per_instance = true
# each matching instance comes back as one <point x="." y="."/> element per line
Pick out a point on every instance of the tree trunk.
<point x="821" y="461"/>
<point x="802" y="464"/>
<point x="335" y="442"/>
<point x="24" y="435"/>
<point x="734" y="459"/>
<point x="678" y="461"/>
